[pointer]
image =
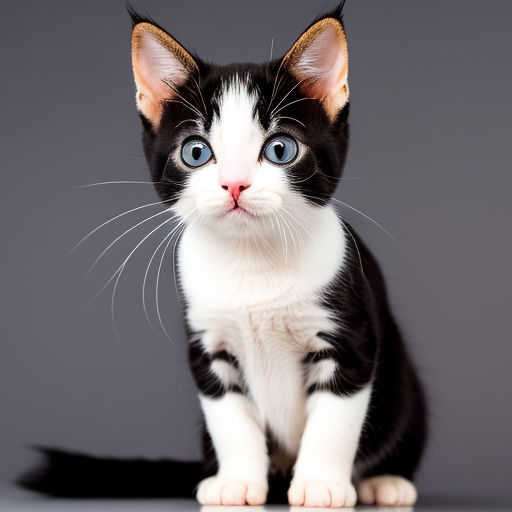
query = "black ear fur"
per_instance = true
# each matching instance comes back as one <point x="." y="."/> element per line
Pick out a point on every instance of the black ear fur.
<point x="137" y="18"/>
<point x="336" y="13"/>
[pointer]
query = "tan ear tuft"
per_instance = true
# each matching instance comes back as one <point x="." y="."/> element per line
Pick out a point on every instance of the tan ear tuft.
<point x="319" y="60"/>
<point x="160" y="64"/>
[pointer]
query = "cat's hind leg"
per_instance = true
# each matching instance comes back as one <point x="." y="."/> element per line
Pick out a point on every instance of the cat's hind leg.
<point x="386" y="490"/>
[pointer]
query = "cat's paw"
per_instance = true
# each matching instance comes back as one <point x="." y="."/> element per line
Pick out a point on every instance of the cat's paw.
<point x="317" y="493"/>
<point x="226" y="491"/>
<point x="387" y="490"/>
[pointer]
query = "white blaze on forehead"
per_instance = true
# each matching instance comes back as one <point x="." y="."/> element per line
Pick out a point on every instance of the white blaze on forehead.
<point x="236" y="134"/>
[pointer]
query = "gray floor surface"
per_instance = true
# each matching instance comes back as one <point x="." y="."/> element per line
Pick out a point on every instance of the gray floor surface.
<point x="15" y="500"/>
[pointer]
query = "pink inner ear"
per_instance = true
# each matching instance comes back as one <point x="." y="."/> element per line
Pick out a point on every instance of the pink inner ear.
<point x="158" y="66"/>
<point x="324" y="64"/>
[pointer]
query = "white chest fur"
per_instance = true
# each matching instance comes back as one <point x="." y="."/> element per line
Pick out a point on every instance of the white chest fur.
<point x="264" y="310"/>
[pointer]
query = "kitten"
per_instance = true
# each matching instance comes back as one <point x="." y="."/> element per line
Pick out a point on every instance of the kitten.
<point x="303" y="378"/>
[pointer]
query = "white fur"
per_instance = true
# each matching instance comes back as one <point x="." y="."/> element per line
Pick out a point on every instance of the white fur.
<point x="238" y="437"/>
<point x="264" y="313"/>
<point x="239" y="441"/>
<point x="225" y="371"/>
<point x="323" y="471"/>
<point x="320" y="372"/>
<point x="331" y="437"/>
<point x="234" y="135"/>
<point x="237" y="139"/>
<point x="387" y="490"/>
<point x="252" y="282"/>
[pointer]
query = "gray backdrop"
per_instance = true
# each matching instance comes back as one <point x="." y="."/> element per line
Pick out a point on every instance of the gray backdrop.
<point x="429" y="160"/>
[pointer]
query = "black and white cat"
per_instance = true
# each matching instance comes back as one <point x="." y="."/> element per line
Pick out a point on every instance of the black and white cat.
<point x="304" y="381"/>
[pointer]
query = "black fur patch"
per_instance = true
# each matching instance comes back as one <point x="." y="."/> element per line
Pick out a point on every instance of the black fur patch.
<point x="367" y="347"/>
<point x="207" y="381"/>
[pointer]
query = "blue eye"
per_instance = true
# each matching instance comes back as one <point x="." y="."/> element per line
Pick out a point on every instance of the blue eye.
<point x="196" y="153"/>
<point x="281" y="150"/>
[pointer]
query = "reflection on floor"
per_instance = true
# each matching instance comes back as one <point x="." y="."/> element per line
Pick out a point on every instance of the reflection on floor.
<point x="14" y="500"/>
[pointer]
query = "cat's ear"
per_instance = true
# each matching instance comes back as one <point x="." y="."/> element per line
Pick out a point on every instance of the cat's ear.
<point x="160" y="65"/>
<point x="319" y="61"/>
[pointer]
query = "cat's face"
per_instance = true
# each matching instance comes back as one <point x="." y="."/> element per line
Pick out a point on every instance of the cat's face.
<point x="239" y="147"/>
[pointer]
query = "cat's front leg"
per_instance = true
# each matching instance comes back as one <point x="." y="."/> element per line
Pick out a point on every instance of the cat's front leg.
<point x="234" y="428"/>
<point x="322" y="473"/>
<point x="240" y="446"/>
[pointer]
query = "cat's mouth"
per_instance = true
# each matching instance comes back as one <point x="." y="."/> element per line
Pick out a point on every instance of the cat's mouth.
<point x="249" y="210"/>
<point x="237" y="209"/>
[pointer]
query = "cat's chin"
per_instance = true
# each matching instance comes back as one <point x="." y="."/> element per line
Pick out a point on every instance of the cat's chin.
<point x="239" y="223"/>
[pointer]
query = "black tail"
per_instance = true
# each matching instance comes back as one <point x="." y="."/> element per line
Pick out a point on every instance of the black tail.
<point x="75" y="475"/>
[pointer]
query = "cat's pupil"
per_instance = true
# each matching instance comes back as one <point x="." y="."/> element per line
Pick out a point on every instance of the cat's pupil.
<point x="279" y="150"/>
<point x="196" y="152"/>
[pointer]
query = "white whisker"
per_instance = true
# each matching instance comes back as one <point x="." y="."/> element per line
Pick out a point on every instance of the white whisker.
<point x="201" y="96"/>
<point x="356" y="246"/>
<point x="157" y="295"/>
<point x="174" y="261"/>
<point x="281" y="231"/>
<point x="96" y="261"/>
<point x="271" y="251"/>
<point x="291" y="103"/>
<point x="112" y="220"/>
<point x="186" y="121"/>
<point x="292" y="221"/>
<point x="177" y="230"/>
<point x="305" y="179"/>
<point x="121" y="267"/>
<point x="372" y="220"/>
<point x="119" y="183"/>
<point x="287" y="226"/>
<point x="274" y="90"/>
<point x="119" y="272"/>
<point x="193" y="109"/>
<point x="145" y="279"/>
<point x="286" y="96"/>
<point x="304" y="229"/>
<point x="157" y="299"/>
<point x="291" y="119"/>
<point x="186" y="102"/>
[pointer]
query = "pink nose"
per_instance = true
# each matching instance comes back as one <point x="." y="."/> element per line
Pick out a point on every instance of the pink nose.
<point x="236" y="188"/>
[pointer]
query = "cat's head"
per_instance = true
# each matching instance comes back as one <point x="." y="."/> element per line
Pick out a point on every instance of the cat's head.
<point x="235" y="147"/>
